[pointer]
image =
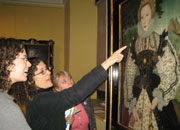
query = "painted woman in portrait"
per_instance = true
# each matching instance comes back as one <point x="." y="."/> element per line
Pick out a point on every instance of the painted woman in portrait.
<point x="151" y="76"/>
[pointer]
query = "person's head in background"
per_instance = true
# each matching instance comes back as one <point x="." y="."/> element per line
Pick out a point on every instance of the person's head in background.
<point x="13" y="63"/>
<point x="146" y="14"/>
<point x="62" y="80"/>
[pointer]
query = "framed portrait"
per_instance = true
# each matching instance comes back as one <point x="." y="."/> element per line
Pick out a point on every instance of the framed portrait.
<point x="97" y="2"/>
<point x="40" y="48"/>
<point x="164" y="25"/>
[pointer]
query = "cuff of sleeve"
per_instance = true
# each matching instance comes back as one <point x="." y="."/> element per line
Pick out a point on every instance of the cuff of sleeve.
<point x="101" y="70"/>
<point x="159" y="94"/>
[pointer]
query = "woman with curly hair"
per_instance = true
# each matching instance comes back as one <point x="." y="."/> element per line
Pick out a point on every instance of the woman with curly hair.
<point x="45" y="109"/>
<point x="13" y="68"/>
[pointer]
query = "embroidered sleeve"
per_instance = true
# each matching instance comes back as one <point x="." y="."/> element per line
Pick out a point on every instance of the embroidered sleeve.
<point x="129" y="100"/>
<point x="168" y="69"/>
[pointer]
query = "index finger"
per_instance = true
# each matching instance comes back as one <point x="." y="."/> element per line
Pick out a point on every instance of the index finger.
<point x="122" y="48"/>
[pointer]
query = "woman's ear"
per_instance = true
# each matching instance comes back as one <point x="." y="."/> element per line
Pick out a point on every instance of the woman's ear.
<point x="11" y="68"/>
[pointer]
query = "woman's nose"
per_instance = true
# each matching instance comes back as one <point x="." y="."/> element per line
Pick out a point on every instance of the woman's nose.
<point x="28" y="64"/>
<point x="70" y="82"/>
<point x="143" y="21"/>
<point x="48" y="71"/>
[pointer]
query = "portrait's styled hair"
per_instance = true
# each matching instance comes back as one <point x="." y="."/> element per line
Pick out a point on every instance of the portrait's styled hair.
<point x="152" y="5"/>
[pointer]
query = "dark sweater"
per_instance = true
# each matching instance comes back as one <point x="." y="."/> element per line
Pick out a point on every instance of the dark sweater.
<point x="46" y="110"/>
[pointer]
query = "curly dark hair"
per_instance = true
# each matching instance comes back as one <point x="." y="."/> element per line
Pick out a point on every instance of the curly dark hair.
<point x="9" y="49"/>
<point x="22" y="91"/>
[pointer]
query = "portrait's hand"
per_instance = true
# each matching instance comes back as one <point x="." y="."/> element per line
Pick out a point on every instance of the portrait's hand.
<point x="134" y="117"/>
<point x="153" y="105"/>
<point x="70" y="119"/>
<point x="135" y="114"/>
<point x="125" y="103"/>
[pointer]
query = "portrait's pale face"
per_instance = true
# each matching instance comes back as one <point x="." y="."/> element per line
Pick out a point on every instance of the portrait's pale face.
<point x="65" y="82"/>
<point x="19" y="69"/>
<point x="146" y="16"/>
<point x="42" y="76"/>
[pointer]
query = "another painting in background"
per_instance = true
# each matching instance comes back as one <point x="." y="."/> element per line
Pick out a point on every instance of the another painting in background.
<point x="150" y="73"/>
<point x="38" y="51"/>
<point x="40" y="48"/>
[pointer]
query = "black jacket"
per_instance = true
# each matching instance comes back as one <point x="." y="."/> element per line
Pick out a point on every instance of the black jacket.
<point x="46" y="110"/>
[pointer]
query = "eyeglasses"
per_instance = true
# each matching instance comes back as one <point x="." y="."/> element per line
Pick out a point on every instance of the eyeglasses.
<point x="24" y="59"/>
<point x="43" y="72"/>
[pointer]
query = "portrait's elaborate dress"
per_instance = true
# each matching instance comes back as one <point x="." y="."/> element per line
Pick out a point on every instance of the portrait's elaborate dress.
<point x="152" y="70"/>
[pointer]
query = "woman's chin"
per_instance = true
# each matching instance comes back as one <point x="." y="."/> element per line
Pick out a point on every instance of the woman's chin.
<point x="23" y="79"/>
<point x="49" y="85"/>
<point x="145" y="28"/>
